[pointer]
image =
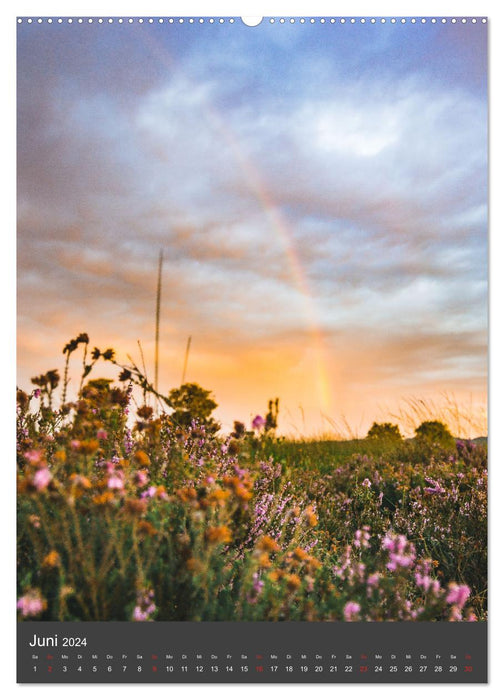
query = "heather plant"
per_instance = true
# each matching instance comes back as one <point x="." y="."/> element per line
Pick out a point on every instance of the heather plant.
<point x="127" y="513"/>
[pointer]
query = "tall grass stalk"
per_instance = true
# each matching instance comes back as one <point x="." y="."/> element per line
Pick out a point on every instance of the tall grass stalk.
<point x="158" y="311"/>
<point x="188" y="347"/>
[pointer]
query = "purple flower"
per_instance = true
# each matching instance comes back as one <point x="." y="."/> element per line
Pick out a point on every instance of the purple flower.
<point x="351" y="611"/>
<point x="145" y="607"/>
<point x="366" y="483"/>
<point x="128" y="441"/>
<point x="434" y="487"/>
<point x="258" y="423"/>
<point x="257" y="587"/>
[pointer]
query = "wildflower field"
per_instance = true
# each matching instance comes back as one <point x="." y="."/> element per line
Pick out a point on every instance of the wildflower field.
<point x="131" y="510"/>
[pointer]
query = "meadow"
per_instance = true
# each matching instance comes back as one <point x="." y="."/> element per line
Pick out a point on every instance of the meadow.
<point x="138" y="510"/>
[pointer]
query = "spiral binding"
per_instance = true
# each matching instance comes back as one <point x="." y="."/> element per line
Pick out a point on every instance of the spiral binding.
<point x="270" y="20"/>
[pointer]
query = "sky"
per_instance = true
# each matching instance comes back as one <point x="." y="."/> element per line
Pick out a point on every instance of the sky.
<point x="319" y="192"/>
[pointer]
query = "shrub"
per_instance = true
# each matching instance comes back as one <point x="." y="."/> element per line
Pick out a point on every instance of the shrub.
<point x="191" y="402"/>
<point x="433" y="433"/>
<point x="384" y="432"/>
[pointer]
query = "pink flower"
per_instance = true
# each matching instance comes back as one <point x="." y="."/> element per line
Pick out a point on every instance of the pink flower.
<point x="458" y="594"/>
<point x="139" y="615"/>
<point x="362" y="537"/>
<point x="141" y="477"/>
<point x="75" y="444"/>
<point x="427" y="583"/>
<point x="455" y="614"/>
<point x="149" y="493"/>
<point x="366" y="483"/>
<point x="115" y="482"/>
<point x="373" y="579"/>
<point x="388" y="543"/>
<point x="42" y="478"/>
<point x="102" y="434"/>
<point x="31" y="604"/>
<point x="258" y="423"/>
<point x="401" y="552"/>
<point x="33" y="457"/>
<point x="351" y="611"/>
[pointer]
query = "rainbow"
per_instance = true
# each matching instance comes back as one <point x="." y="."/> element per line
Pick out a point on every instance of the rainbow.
<point x="280" y="226"/>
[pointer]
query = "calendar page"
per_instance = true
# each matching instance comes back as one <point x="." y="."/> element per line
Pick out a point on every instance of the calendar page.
<point x="252" y="349"/>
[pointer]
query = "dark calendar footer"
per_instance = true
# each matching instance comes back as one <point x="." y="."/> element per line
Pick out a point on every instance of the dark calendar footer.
<point x="255" y="652"/>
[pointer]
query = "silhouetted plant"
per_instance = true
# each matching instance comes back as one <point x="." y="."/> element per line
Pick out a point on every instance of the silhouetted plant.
<point x="434" y="433"/>
<point x="384" y="432"/>
<point x="272" y="416"/>
<point x="192" y="403"/>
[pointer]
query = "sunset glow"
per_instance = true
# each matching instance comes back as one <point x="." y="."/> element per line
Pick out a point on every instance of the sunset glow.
<point x="319" y="193"/>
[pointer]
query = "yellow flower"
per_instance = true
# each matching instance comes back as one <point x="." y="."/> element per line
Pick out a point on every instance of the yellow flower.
<point x="218" y="496"/>
<point x="293" y="582"/>
<point x="312" y="563"/>
<point x="88" y="447"/>
<point x="217" y="535"/>
<point x="103" y="498"/>
<point x="142" y="458"/>
<point x="194" y="565"/>
<point x="267" y="544"/>
<point x="299" y="554"/>
<point x="145" y="528"/>
<point x="79" y="480"/>
<point x="276" y="575"/>
<point x="51" y="560"/>
<point x="242" y="493"/>
<point x="264" y="561"/>
<point x="135" y="506"/>
<point x="187" y="494"/>
<point x="310" y="516"/>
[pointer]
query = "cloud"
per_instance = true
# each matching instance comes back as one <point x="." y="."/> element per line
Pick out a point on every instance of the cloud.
<point x="349" y="207"/>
